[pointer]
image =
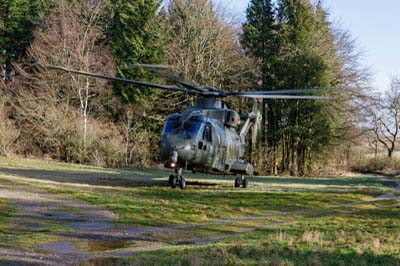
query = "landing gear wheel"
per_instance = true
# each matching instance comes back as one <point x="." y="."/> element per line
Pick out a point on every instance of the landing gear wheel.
<point x="174" y="182"/>
<point x="245" y="182"/>
<point x="171" y="180"/>
<point x="182" y="184"/>
<point x="237" y="182"/>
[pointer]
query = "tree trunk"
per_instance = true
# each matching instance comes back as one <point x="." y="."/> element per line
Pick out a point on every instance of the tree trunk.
<point x="390" y="153"/>
<point x="301" y="161"/>
<point x="274" y="160"/>
<point x="263" y="127"/>
<point x="293" y="164"/>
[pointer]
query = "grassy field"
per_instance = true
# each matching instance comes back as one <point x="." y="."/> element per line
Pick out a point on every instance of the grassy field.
<point x="277" y="221"/>
<point x="6" y="211"/>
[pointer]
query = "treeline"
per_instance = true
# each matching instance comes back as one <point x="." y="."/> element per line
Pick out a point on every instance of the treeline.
<point x="297" y="47"/>
<point x="290" y="44"/>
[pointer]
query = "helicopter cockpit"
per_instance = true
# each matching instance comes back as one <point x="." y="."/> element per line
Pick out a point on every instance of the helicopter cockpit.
<point x="185" y="137"/>
<point x="189" y="130"/>
<point x="172" y="125"/>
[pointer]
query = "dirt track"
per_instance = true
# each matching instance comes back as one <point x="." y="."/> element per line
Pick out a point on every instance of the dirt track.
<point x="93" y="234"/>
<point x="86" y="232"/>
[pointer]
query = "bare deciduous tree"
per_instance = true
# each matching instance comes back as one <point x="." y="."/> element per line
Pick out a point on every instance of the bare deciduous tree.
<point x="8" y="132"/>
<point x="52" y="108"/>
<point x="386" y="117"/>
<point x="136" y="141"/>
<point x="71" y="37"/>
<point x="203" y="45"/>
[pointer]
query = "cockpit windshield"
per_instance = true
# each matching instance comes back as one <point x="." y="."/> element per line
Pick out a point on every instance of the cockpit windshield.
<point x="191" y="129"/>
<point x="172" y="126"/>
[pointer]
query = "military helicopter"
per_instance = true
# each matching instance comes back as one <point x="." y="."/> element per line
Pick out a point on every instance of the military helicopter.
<point x="208" y="136"/>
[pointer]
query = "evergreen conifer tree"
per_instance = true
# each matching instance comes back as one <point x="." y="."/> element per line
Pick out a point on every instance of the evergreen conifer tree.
<point x="133" y="36"/>
<point x="295" y="48"/>
<point x="309" y="126"/>
<point x="17" y="21"/>
<point x="260" y="39"/>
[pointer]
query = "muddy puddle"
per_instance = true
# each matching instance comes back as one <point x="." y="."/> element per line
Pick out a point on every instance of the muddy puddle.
<point x="100" y="245"/>
<point x="81" y="246"/>
<point x="98" y="262"/>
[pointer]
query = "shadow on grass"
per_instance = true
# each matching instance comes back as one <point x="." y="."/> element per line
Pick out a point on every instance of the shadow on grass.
<point x="137" y="178"/>
<point x="157" y="177"/>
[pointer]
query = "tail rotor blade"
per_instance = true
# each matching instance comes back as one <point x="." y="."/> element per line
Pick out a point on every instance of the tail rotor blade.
<point x="257" y="120"/>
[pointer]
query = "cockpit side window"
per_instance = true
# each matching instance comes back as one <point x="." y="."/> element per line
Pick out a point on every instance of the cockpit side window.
<point x="228" y="117"/>
<point x="207" y="133"/>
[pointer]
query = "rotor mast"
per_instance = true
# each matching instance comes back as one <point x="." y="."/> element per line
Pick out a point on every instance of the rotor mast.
<point x="203" y="102"/>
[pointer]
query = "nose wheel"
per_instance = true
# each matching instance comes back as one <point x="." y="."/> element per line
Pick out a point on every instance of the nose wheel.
<point x="177" y="180"/>
<point x="241" y="181"/>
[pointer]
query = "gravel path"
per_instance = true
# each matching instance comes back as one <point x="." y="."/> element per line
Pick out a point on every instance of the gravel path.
<point x="391" y="195"/>
<point x="91" y="226"/>
<point x="87" y="232"/>
<point x="37" y="210"/>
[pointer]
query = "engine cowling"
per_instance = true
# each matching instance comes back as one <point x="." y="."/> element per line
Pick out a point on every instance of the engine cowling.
<point x="232" y="119"/>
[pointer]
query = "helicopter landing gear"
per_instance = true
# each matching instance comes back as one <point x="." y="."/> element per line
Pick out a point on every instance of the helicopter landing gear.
<point x="182" y="183"/>
<point x="177" y="180"/>
<point x="241" y="181"/>
<point x="171" y="181"/>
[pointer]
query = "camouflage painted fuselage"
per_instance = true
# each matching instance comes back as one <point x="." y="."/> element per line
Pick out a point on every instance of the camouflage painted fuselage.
<point x="204" y="138"/>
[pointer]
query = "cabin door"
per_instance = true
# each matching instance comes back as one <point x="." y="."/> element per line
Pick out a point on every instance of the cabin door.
<point x="208" y="147"/>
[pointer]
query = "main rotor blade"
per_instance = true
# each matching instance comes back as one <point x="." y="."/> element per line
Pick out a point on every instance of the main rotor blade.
<point x="170" y="76"/>
<point x="286" y="97"/>
<point x="152" y="67"/>
<point x="275" y="92"/>
<point x="187" y="84"/>
<point x="129" y="81"/>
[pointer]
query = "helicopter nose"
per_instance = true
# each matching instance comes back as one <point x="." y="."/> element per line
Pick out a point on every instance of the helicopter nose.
<point x="185" y="153"/>
<point x="173" y="157"/>
<point x="176" y="150"/>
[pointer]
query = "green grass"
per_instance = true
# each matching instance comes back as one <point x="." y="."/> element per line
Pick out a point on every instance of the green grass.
<point x="313" y="221"/>
<point x="6" y="210"/>
<point x="163" y="206"/>
<point x="361" y="237"/>
<point x="159" y="205"/>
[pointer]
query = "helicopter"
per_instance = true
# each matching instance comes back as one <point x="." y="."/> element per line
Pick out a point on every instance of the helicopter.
<point x="208" y="136"/>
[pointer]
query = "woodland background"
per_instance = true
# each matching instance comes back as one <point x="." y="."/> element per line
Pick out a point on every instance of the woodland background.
<point x="285" y="44"/>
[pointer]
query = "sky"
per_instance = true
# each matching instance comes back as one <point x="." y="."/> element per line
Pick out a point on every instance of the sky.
<point x="376" y="28"/>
